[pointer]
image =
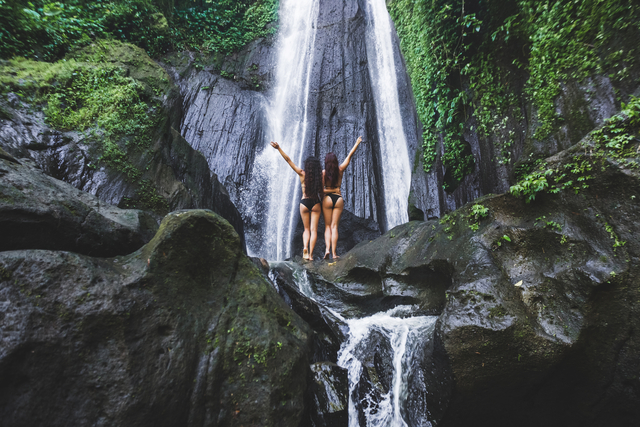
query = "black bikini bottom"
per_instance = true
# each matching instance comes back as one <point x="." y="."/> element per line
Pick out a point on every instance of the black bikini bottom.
<point x="309" y="203"/>
<point x="334" y="198"/>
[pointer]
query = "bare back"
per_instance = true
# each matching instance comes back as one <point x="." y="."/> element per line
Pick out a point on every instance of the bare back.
<point x="336" y="189"/>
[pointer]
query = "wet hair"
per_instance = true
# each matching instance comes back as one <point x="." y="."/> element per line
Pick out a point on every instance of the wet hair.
<point x="331" y="170"/>
<point x="313" y="177"/>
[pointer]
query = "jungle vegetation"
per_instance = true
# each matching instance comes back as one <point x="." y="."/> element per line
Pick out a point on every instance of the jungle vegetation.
<point x="486" y="58"/>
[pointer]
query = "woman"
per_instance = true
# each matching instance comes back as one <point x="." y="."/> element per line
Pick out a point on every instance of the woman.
<point x="311" y="181"/>
<point x="333" y="203"/>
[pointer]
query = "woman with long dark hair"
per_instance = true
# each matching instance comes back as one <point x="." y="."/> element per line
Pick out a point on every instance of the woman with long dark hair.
<point x="311" y="182"/>
<point x="333" y="203"/>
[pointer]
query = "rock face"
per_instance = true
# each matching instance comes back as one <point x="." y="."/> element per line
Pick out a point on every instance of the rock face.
<point x="224" y="118"/>
<point x="538" y="308"/>
<point x="511" y="144"/>
<point x="40" y="212"/>
<point x="185" y="331"/>
<point x="179" y="175"/>
<point x="329" y="403"/>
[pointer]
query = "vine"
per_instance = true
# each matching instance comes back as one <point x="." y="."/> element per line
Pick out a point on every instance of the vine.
<point x="462" y="60"/>
<point x="433" y="36"/>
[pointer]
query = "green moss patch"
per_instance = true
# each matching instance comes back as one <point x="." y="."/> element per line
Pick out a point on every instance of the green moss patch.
<point x="109" y="91"/>
<point x="614" y="140"/>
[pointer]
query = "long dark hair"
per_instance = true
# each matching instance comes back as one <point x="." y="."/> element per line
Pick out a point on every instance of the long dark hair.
<point x="313" y="178"/>
<point x="331" y="170"/>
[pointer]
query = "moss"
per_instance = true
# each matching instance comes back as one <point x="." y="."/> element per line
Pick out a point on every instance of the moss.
<point x="135" y="60"/>
<point x="488" y="59"/>
<point x="613" y="141"/>
<point x="112" y="92"/>
<point x="5" y="274"/>
<point x="498" y="311"/>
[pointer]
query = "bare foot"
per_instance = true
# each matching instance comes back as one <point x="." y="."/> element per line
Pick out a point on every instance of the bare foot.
<point x="305" y="254"/>
<point x="326" y="256"/>
<point x="336" y="257"/>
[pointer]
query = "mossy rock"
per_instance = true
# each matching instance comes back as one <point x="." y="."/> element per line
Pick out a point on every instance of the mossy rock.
<point x="134" y="59"/>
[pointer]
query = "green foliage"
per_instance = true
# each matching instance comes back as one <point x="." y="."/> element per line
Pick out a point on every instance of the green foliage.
<point x="433" y="36"/>
<point x="568" y="40"/>
<point x="617" y="243"/>
<point x="224" y="25"/>
<point x="45" y="30"/>
<point x="113" y="110"/>
<point x="462" y="59"/>
<point x="477" y="213"/>
<point x="612" y="140"/>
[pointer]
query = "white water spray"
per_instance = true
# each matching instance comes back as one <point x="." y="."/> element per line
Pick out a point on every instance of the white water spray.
<point x="396" y="167"/>
<point x="404" y="335"/>
<point x="287" y="124"/>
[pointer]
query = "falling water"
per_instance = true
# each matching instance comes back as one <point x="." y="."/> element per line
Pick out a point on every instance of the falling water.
<point x="396" y="168"/>
<point x="405" y="335"/>
<point x="276" y="187"/>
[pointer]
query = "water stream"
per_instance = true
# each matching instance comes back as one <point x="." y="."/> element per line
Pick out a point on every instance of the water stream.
<point x="396" y="168"/>
<point x="277" y="193"/>
<point x="405" y="334"/>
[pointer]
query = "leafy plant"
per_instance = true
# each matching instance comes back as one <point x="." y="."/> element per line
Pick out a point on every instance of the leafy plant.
<point x="477" y="213"/>
<point x="45" y="30"/>
<point x="612" y="140"/>
<point x="464" y="60"/>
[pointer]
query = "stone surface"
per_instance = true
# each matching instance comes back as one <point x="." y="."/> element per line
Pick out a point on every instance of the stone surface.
<point x="40" y="212"/>
<point x="535" y="328"/>
<point x="185" y="331"/>
<point x="328" y="395"/>
<point x="224" y="117"/>
<point x="179" y="174"/>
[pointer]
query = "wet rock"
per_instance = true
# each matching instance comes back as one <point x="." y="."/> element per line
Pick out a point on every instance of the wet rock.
<point x="224" y="117"/>
<point x="328" y="330"/>
<point x="40" y="212"/>
<point x="581" y="106"/>
<point x="371" y="276"/>
<point x="328" y="395"/>
<point x="170" y="168"/>
<point x="162" y="337"/>
<point x="537" y="308"/>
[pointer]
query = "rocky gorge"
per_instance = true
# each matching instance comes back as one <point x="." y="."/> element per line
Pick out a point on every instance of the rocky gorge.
<point x="127" y="296"/>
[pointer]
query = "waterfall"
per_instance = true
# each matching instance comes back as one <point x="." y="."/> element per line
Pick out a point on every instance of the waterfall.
<point x="396" y="167"/>
<point x="272" y="202"/>
<point x="275" y="186"/>
<point x="405" y="334"/>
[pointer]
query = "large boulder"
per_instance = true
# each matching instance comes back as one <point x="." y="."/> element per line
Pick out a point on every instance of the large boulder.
<point x="185" y="331"/>
<point x="40" y="212"/>
<point x="538" y="302"/>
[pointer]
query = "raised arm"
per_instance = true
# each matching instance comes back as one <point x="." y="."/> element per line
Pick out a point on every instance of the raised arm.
<point x="287" y="158"/>
<point x="346" y="162"/>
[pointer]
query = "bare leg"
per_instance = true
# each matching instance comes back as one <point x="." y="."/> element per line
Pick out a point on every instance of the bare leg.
<point x="327" y="210"/>
<point x="305" y="215"/>
<point x="315" y="218"/>
<point x="335" y="221"/>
